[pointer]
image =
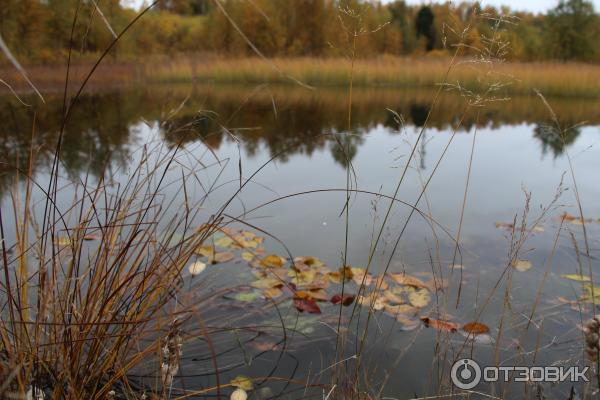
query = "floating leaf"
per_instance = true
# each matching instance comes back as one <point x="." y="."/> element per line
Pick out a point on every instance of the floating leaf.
<point x="407" y="323"/>
<point x="318" y="282"/>
<point x="400" y="309"/>
<point x="197" y="267"/>
<point x="504" y="225"/>
<point x="247" y="256"/>
<point x="403" y="279"/>
<point x="206" y="251"/>
<point x="380" y="283"/>
<point x="483" y="338"/>
<point x="272" y="261"/>
<point x="225" y="241"/>
<point x="440" y="324"/>
<point x="346" y="299"/>
<point x="475" y="328"/>
<point x="521" y="265"/>
<point x="319" y="294"/>
<point x="266" y="283"/>
<point x="573" y="219"/>
<point x="592" y="293"/>
<point x="377" y="304"/>
<point x="393" y="298"/>
<point x="242" y="382"/>
<point x="360" y="276"/>
<point x="247" y="297"/>
<point x="307" y="262"/>
<point x="272" y="293"/>
<point x="92" y="236"/>
<point x="221" y="257"/>
<point x="302" y="278"/>
<point x="63" y="241"/>
<point x="346" y="272"/>
<point x="419" y="298"/>
<point x="577" y="277"/>
<point x="239" y="394"/>
<point x="308" y="305"/>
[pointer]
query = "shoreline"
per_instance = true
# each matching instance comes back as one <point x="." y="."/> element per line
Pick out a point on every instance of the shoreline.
<point x="551" y="79"/>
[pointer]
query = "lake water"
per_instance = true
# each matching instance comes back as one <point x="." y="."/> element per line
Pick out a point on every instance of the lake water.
<point x="517" y="155"/>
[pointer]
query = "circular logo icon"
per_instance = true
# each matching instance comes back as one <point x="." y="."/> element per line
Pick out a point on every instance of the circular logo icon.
<point x="465" y="374"/>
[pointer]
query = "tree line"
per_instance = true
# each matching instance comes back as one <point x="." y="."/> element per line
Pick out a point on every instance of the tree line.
<point x="42" y="31"/>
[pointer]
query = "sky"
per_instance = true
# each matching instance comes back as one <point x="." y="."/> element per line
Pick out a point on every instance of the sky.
<point x="519" y="5"/>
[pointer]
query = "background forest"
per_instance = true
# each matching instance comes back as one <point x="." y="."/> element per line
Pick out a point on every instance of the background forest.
<point x="38" y="31"/>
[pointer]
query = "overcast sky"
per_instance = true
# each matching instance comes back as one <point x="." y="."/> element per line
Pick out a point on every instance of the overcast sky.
<point x="529" y="5"/>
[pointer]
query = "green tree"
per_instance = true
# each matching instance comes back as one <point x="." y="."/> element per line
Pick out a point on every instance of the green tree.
<point x="424" y="26"/>
<point x="571" y="30"/>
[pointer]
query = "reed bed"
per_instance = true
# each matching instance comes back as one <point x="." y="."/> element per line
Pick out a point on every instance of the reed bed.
<point x="553" y="79"/>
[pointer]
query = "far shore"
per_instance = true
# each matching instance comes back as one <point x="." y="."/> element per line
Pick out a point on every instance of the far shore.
<point x="552" y="79"/>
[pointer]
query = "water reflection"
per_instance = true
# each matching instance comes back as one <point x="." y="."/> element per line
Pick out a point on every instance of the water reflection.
<point x="554" y="140"/>
<point x="101" y="130"/>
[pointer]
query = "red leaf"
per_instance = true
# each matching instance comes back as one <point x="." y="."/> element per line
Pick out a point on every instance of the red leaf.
<point x="346" y="300"/>
<point x="308" y="305"/>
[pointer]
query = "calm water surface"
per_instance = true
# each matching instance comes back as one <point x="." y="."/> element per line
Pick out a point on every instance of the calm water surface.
<point x="516" y="154"/>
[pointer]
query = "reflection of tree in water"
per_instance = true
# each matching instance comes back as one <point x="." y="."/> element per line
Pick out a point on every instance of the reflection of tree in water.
<point x="284" y="123"/>
<point x="418" y="114"/>
<point x="344" y="149"/>
<point x="553" y="139"/>
<point x="98" y="130"/>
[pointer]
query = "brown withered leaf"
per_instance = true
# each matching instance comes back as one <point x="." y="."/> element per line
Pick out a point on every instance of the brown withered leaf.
<point x="440" y="324"/>
<point x="400" y="309"/>
<point x="475" y="328"/>
<point x="521" y="265"/>
<point x="346" y="299"/>
<point x="319" y="294"/>
<point x="221" y="257"/>
<point x="403" y="279"/>
<point x="308" y="305"/>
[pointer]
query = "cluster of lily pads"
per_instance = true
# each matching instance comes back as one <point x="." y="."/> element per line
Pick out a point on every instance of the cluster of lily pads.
<point x="311" y="285"/>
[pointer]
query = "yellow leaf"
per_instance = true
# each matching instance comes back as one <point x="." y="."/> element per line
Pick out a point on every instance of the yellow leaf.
<point x="247" y="256"/>
<point x="272" y="261"/>
<point x="242" y="382"/>
<point x="577" y="277"/>
<point x="206" y="251"/>
<point x="266" y="283"/>
<point x="302" y="278"/>
<point x="225" y="241"/>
